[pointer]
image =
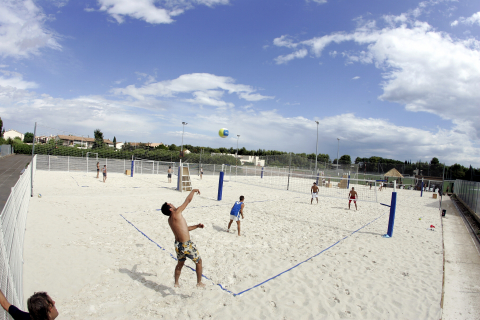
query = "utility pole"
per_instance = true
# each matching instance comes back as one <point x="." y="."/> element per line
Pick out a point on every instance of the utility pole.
<point x="316" y="150"/>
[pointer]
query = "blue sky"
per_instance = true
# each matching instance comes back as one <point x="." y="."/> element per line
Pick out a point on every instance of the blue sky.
<point x="396" y="79"/>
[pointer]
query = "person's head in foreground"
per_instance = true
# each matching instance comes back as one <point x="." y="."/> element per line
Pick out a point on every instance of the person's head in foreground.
<point x="314" y="183"/>
<point x="42" y="307"/>
<point x="242" y="198"/>
<point x="353" y="188"/>
<point x="167" y="209"/>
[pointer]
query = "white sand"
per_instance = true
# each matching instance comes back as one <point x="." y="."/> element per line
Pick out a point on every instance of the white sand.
<point x="96" y="265"/>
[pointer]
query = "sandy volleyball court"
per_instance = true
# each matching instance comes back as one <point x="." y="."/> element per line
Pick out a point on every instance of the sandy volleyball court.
<point x="82" y="246"/>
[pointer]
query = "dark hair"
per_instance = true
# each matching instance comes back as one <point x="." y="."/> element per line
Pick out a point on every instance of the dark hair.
<point x="166" y="209"/>
<point x="39" y="305"/>
<point x="241" y="198"/>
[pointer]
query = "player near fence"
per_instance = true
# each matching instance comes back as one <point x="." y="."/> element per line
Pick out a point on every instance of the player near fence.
<point x="352" y="195"/>
<point x="201" y="173"/>
<point x="98" y="169"/>
<point x="104" y="171"/>
<point x="40" y="306"/>
<point x="169" y="174"/>
<point x="184" y="247"/>
<point x="235" y="213"/>
<point x="314" y="191"/>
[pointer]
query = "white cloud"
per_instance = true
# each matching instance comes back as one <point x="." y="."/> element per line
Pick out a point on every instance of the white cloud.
<point x="141" y="121"/>
<point x="302" y="53"/>
<point x="356" y="78"/>
<point x="22" y="30"/>
<point x="318" y="1"/>
<point x="152" y="11"/>
<point x="206" y="89"/>
<point x="474" y="19"/>
<point x="15" y="80"/>
<point x="424" y="70"/>
<point x="284" y="41"/>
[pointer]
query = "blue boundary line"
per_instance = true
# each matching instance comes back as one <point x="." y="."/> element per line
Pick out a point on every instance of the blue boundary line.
<point x="276" y="276"/>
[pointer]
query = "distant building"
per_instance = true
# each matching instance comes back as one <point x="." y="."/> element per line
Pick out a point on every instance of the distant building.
<point x="250" y="159"/>
<point x="12" y="134"/>
<point x="148" y="145"/>
<point x="44" y="139"/>
<point x="82" y="142"/>
<point x="119" y="145"/>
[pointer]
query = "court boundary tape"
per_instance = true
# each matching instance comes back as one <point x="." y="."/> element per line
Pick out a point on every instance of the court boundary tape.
<point x="271" y="278"/>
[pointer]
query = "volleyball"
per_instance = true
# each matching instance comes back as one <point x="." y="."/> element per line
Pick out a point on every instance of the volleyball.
<point x="223" y="133"/>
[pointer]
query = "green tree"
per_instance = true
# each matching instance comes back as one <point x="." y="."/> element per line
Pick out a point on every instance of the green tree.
<point x="434" y="161"/>
<point x="28" y="137"/>
<point x="98" y="143"/>
<point x="1" y="128"/>
<point x="322" y="157"/>
<point x="114" y="143"/>
<point x="173" y="147"/>
<point x="345" y="159"/>
<point x="457" y="171"/>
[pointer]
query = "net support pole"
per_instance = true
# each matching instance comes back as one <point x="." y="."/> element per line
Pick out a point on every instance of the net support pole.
<point x="179" y="176"/>
<point x="421" y="189"/>
<point x="348" y="181"/>
<point x="132" y="168"/>
<point x="31" y="162"/>
<point x="261" y="174"/>
<point x="318" y="177"/>
<point x="220" y="186"/>
<point x="391" y="220"/>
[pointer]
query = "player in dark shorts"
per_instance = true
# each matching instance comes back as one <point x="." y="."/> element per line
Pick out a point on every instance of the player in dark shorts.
<point x="169" y="174"/>
<point x="98" y="169"/>
<point x="104" y="170"/>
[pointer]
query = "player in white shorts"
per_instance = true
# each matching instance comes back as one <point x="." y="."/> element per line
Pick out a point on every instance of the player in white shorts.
<point x="235" y="213"/>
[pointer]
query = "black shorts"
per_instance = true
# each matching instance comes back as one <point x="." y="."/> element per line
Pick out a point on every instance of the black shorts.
<point x="169" y="175"/>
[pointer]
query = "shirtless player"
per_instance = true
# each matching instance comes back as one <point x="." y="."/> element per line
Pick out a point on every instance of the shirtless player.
<point x="314" y="192"/>
<point x="184" y="247"/>
<point x="353" y="196"/>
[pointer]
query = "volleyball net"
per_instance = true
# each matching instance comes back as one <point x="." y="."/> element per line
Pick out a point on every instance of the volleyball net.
<point x="334" y="187"/>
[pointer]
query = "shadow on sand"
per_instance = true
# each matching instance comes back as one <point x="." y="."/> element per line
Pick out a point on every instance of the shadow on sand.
<point x="140" y="277"/>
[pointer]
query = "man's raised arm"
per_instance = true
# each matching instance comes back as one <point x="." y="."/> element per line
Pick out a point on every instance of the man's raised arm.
<point x="4" y="302"/>
<point x="188" y="200"/>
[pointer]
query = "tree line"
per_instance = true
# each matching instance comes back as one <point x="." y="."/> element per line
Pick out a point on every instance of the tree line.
<point x="273" y="157"/>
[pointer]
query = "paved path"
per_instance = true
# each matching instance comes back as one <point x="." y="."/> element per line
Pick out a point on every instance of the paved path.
<point x="462" y="268"/>
<point x="10" y="168"/>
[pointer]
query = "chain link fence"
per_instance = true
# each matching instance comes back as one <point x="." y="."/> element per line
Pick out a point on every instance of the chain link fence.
<point x="12" y="234"/>
<point x="469" y="192"/>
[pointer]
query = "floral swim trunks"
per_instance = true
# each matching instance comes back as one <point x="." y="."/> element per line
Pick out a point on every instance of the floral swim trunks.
<point x="187" y="250"/>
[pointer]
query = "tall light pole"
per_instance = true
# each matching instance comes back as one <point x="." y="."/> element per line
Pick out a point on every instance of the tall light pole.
<point x="181" y="148"/>
<point x="183" y="123"/>
<point x="236" y="159"/>
<point x="316" y="150"/>
<point x="338" y="149"/>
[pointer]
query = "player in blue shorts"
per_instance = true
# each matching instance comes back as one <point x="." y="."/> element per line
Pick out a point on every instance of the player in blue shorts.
<point x="235" y="213"/>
